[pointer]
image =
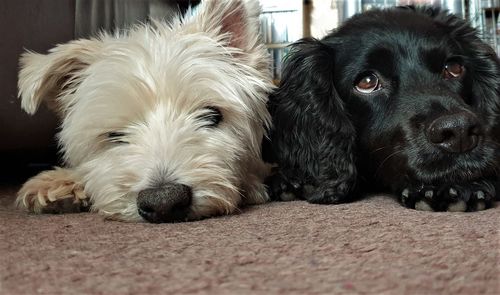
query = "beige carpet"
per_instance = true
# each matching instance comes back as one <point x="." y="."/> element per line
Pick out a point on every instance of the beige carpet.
<point x="373" y="246"/>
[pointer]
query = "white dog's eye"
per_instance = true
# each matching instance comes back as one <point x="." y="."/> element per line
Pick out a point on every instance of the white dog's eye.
<point x="368" y="83"/>
<point x="116" y="137"/>
<point x="212" y="116"/>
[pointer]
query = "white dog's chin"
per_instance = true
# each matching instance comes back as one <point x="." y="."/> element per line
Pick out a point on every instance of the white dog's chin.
<point x="164" y="119"/>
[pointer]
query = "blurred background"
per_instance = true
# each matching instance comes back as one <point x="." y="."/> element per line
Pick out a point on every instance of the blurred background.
<point x="27" y="143"/>
<point x="285" y="21"/>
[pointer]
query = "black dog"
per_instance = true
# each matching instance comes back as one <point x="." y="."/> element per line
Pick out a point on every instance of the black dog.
<point x="404" y="100"/>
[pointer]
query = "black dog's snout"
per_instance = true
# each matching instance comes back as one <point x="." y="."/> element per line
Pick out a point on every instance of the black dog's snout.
<point x="167" y="203"/>
<point x="455" y="133"/>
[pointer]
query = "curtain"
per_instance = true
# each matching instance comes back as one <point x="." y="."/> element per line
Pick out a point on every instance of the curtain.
<point x="93" y="16"/>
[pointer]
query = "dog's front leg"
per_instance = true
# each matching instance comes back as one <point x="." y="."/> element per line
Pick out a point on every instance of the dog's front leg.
<point x="313" y="138"/>
<point x="336" y="179"/>
<point x="330" y="177"/>
<point x="254" y="189"/>
<point x="53" y="191"/>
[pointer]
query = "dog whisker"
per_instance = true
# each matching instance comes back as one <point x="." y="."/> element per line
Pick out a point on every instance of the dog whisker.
<point x="494" y="143"/>
<point x="385" y="147"/>
<point x="375" y="175"/>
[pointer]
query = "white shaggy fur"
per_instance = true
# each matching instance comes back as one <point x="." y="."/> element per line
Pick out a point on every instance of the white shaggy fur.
<point x="152" y="86"/>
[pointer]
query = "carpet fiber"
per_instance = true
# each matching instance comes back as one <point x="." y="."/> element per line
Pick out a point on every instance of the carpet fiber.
<point x="368" y="247"/>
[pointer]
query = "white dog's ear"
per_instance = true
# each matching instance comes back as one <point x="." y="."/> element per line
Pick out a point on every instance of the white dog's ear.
<point x="237" y="18"/>
<point x="44" y="77"/>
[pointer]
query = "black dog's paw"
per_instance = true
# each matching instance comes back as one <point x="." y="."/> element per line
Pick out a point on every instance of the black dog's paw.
<point x="329" y="192"/>
<point x="282" y="188"/>
<point x="474" y="196"/>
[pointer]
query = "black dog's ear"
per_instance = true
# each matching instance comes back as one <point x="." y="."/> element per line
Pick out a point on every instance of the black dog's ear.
<point x="313" y="138"/>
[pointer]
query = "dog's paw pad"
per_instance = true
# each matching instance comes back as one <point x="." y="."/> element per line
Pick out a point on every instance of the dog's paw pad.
<point x="326" y="196"/>
<point x="331" y="191"/>
<point x="66" y="205"/>
<point x="287" y="196"/>
<point x="459" y="206"/>
<point x="480" y="206"/>
<point x="423" y="206"/>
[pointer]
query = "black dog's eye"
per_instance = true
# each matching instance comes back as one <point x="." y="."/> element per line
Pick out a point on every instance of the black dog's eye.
<point x="368" y="83"/>
<point x="213" y="116"/>
<point x="453" y="69"/>
<point x="116" y="137"/>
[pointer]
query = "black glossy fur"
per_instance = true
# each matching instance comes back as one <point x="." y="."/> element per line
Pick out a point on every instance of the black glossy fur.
<point x="333" y="143"/>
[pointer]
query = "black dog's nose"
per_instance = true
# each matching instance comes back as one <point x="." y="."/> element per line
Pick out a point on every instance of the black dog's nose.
<point x="455" y="133"/>
<point x="167" y="203"/>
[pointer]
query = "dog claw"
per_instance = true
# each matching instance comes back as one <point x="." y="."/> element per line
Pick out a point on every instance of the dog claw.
<point x="453" y="192"/>
<point x="295" y="185"/>
<point x="405" y="193"/>
<point x="41" y="199"/>
<point x="428" y="194"/>
<point x="479" y="195"/>
<point x="286" y="196"/>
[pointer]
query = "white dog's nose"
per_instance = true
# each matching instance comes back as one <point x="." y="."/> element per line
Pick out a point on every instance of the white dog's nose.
<point x="168" y="203"/>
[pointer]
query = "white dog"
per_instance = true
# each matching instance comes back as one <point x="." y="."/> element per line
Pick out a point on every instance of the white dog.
<point x="163" y="123"/>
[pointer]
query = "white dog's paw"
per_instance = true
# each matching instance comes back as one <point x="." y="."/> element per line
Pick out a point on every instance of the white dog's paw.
<point x="255" y="194"/>
<point x="255" y="191"/>
<point x="53" y="191"/>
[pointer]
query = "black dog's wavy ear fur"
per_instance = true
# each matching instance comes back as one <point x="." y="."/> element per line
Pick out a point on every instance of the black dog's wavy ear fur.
<point x="313" y="138"/>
